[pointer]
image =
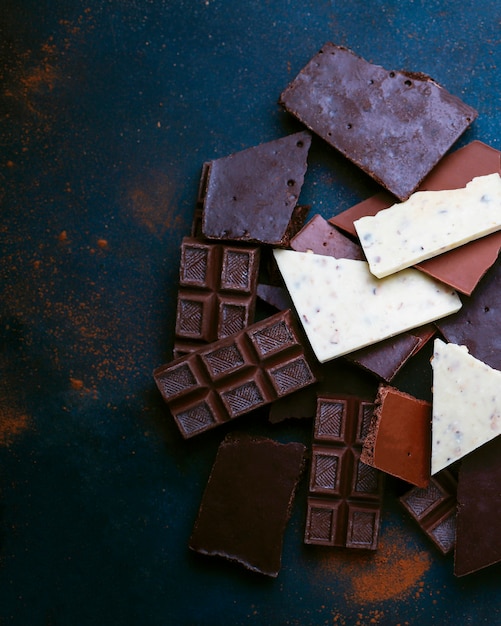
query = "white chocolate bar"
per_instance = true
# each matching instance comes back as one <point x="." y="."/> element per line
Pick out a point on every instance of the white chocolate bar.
<point x="343" y="307"/>
<point x="466" y="407"/>
<point x="430" y="223"/>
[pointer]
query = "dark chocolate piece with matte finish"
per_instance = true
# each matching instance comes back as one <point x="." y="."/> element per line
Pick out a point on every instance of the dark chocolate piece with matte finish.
<point x="394" y="125"/>
<point x="247" y="502"/>
<point x="252" y="195"/>
<point x="233" y="376"/>
<point x="345" y="495"/>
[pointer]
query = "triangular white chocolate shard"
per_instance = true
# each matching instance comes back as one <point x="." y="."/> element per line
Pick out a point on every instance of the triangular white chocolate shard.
<point x="430" y="223"/>
<point x="343" y="307"/>
<point x="466" y="407"/>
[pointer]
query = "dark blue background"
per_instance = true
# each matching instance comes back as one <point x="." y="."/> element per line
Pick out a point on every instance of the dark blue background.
<point x="108" y="110"/>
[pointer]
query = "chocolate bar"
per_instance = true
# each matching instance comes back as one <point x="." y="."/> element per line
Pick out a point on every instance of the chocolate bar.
<point x="320" y="237"/>
<point x="394" y="125"/>
<point x="345" y="495"/>
<point x="247" y="502"/>
<point x="217" y="292"/>
<point x="434" y="508"/>
<point x="233" y="376"/>
<point x="252" y="195"/>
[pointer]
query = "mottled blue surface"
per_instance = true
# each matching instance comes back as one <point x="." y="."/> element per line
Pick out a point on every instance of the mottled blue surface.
<point x="108" y="110"/>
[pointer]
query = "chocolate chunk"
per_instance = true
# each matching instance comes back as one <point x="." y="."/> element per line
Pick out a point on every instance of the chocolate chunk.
<point x="217" y="292"/>
<point x="247" y="502"/>
<point x="434" y="509"/>
<point x="320" y="237"/>
<point x="345" y="495"/>
<point x="233" y="376"/>
<point x="277" y="297"/>
<point x="394" y="125"/>
<point x="398" y="440"/>
<point x="252" y="195"/>
<point x="478" y="542"/>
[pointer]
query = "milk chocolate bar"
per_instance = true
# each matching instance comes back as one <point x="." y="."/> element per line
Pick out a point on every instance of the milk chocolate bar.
<point x="217" y="292"/>
<point x="233" y="376"/>
<point x="252" y="195"/>
<point x="345" y="495"/>
<point x="434" y="508"/>
<point x="320" y="237"/>
<point x="247" y="502"/>
<point x="394" y="125"/>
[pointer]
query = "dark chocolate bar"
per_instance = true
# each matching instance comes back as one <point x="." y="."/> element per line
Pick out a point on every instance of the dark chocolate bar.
<point x="434" y="508"/>
<point x="247" y="502"/>
<point x="252" y="195"/>
<point x="345" y="495"/>
<point x="233" y="376"/>
<point x="217" y="292"/>
<point x="394" y="125"/>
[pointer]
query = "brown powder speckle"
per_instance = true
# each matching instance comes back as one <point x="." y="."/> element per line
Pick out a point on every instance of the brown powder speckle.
<point x="13" y="423"/>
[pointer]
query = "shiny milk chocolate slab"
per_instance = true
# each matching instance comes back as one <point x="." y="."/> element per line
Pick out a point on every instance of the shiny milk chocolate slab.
<point x="247" y="502"/>
<point x="345" y="495"/>
<point x="394" y="125"/>
<point x="217" y="292"/>
<point x="234" y="375"/>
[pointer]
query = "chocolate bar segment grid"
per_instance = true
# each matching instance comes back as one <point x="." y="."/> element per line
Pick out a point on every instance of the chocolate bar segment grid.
<point x="345" y="495"/>
<point x="217" y="292"/>
<point x="235" y="375"/>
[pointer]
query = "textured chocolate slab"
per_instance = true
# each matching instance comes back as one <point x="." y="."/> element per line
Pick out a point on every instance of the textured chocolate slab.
<point x="322" y="238"/>
<point x="344" y="501"/>
<point x="247" y="502"/>
<point x="398" y="440"/>
<point x="478" y="541"/>
<point x="217" y="292"/>
<point x="434" y="509"/>
<point x="252" y="195"/>
<point x="235" y="375"/>
<point x="394" y="125"/>
<point x="478" y="324"/>
<point x="463" y="267"/>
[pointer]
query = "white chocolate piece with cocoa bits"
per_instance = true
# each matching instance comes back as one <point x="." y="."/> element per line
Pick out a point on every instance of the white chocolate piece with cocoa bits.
<point x="466" y="406"/>
<point x="430" y="223"/>
<point x="343" y="307"/>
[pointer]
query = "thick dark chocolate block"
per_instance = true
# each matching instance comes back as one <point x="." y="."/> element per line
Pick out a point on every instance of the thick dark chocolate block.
<point x="217" y="292"/>
<point x="233" y="376"/>
<point x="345" y="495"/>
<point x="394" y="125"/>
<point x="252" y="195"/>
<point x="434" y="509"/>
<point x="247" y="502"/>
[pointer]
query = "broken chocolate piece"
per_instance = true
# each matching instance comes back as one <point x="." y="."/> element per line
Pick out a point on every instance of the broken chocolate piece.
<point x="394" y="125"/>
<point x="252" y="195"/>
<point x="434" y="509"/>
<point x="398" y="440"/>
<point x="233" y="376"/>
<point x="320" y="237"/>
<point x="247" y="502"/>
<point x="345" y="495"/>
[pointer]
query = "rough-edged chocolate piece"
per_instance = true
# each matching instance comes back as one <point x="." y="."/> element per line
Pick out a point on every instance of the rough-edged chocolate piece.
<point x="398" y="440"/>
<point x="463" y="267"/>
<point x="252" y="195"/>
<point x="247" y="502"/>
<point x="345" y="495"/>
<point x="434" y="509"/>
<point x="320" y="237"/>
<point x="274" y="295"/>
<point x="233" y="376"/>
<point x="394" y="125"/>
<point x="478" y="541"/>
<point x="217" y="292"/>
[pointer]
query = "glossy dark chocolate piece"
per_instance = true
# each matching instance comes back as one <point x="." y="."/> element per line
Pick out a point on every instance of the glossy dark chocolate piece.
<point x="478" y="541"/>
<point x="345" y="495"/>
<point x="217" y="292"/>
<point x="434" y="508"/>
<point x="247" y="502"/>
<point x="398" y="440"/>
<point x="233" y="376"/>
<point x="394" y="125"/>
<point x="320" y="237"/>
<point x="252" y="195"/>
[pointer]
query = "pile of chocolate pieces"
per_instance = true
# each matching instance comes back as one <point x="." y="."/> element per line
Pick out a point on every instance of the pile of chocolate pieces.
<point x="367" y="288"/>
